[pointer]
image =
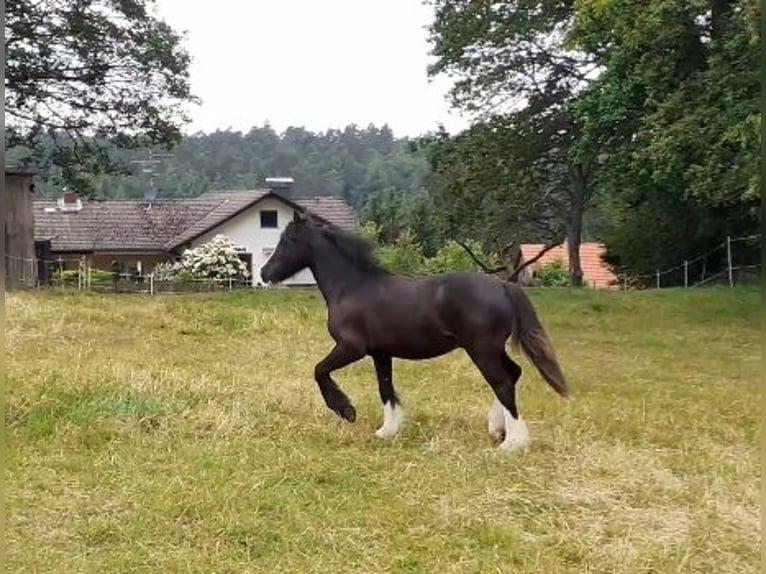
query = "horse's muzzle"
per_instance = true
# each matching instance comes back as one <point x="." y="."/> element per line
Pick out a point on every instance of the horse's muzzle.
<point x="267" y="273"/>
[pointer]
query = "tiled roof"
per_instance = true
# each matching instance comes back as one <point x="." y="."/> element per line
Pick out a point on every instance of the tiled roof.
<point x="161" y="224"/>
<point x="115" y="225"/>
<point x="332" y="209"/>
<point x="595" y="272"/>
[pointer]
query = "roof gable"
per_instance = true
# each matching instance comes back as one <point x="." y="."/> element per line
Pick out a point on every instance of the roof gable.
<point x="332" y="209"/>
<point x="227" y="206"/>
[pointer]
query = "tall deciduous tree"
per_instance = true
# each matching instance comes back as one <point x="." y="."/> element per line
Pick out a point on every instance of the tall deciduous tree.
<point x="494" y="187"/>
<point x="83" y="69"/>
<point x="676" y="114"/>
<point x="512" y="69"/>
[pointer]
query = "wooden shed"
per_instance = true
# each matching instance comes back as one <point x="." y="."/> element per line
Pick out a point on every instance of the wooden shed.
<point x="20" y="266"/>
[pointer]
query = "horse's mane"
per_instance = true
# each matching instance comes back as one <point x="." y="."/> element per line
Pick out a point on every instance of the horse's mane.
<point x="354" y="248"/>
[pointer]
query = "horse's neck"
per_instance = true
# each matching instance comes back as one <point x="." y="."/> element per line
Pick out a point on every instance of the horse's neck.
<point x="335" y="275"/>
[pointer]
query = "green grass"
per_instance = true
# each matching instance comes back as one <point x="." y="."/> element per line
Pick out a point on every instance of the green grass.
<point x="185" y="434"/>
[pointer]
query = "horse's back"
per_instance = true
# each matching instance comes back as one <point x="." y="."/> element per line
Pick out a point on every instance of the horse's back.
<point x="472" y="301"/>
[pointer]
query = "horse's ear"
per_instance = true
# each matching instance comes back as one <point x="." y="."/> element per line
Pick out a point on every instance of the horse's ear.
<point x="299" y="216"/>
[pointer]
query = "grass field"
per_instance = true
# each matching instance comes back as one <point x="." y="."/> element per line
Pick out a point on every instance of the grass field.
<point x="186" y="434"/>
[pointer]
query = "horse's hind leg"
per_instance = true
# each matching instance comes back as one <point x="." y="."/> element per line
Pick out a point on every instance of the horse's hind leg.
<point x="393" y="414"/>
<point x="516" y="432"/>
<point x="335" y="398"/>
<point x="502" y="374"/>
<point x="496" y="420"/>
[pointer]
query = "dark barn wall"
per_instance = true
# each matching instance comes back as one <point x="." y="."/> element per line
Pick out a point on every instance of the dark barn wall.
<point x="20" y="267"/>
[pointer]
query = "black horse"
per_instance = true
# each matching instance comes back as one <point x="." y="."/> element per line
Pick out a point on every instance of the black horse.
<point x="372" y="312"/>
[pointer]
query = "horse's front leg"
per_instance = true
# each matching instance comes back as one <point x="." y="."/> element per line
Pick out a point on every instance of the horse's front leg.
<point x="336" y="399"/>
<point x="393" y="414"/>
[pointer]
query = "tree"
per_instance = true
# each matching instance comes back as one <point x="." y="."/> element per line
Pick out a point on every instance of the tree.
<point x="453" y="257"/>
<point x="676" y="113"/>
<point x="87" y="72"/>
<point x="513" y="70"/>
<point x="498" y="188"/>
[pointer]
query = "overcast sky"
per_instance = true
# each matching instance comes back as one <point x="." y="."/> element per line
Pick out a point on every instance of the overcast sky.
<point x="318" y="64"/>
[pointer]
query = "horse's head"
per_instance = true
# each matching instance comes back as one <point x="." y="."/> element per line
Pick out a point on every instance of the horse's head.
<point x="293" y="252"/>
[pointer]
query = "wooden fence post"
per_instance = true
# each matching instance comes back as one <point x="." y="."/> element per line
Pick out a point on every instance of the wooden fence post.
<point x="729" y="262"/>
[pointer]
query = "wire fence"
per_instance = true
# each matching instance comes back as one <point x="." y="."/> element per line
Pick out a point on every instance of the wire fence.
<point x="736" y="260"/>
<point x="67" y="273"/>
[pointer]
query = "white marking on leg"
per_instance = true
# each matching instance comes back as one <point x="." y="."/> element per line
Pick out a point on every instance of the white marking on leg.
<point x="516" y="433"/>
<point x="393" y="417"/>
<point x="496" y="420"/>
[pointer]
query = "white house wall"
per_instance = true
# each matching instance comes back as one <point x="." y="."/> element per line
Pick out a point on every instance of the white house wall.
<point x="245" y="231"/>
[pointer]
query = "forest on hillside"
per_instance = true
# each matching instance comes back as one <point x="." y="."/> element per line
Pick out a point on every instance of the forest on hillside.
<point x="355" y="163"/>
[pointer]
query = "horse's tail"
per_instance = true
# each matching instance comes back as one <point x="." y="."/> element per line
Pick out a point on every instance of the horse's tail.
<point x="529" y="332"/>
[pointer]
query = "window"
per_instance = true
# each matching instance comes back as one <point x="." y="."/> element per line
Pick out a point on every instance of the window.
<point x="269" y="218"/>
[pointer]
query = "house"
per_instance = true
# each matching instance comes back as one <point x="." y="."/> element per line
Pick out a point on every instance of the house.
<point x="138" y="234"/>
<point x="20" y="267"/>
<point x="596" y="273"/>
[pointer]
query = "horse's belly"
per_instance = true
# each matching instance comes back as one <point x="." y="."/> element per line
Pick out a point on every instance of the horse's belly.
<point x="426" y="352"/>
<point x="413" y="344"/>
<point x="407" y="324"/>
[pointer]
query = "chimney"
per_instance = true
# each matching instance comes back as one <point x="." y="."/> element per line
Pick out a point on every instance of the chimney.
<point x="70" y="197"/>
<point x="281" y="185"/>
<point x="70" y="201"/>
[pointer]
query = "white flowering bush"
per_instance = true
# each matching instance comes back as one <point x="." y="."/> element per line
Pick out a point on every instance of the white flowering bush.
<point x="217" y="259"/>
<point x="166" y="271"/>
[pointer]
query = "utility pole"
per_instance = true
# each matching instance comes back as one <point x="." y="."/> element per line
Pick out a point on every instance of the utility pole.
<point x="148" y="165"/>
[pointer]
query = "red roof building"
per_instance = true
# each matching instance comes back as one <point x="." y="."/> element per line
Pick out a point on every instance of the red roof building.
<point x="596" y="273"/>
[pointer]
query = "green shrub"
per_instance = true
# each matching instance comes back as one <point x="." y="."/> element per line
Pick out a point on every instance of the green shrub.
<point x="404" y="256"/>
<point x="452" y="257"/>
<point x="371" y="232"/>
<point x="100" y="277"/>
<point x="553" y="274"/>
<point x="69" y="277"/>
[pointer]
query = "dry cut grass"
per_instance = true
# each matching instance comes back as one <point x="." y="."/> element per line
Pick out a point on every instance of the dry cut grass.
<point x="185" y="434"/>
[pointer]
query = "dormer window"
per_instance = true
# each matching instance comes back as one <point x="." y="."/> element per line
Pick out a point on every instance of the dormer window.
<point x="269" y="218"/>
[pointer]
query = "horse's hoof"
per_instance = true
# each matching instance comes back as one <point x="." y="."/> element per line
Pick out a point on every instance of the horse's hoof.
<point x="507" y="449"/>
<point x="349" y="413"/>
<point x="516" y="436"/>
<point x="497" y="437"/>
<point x="514" y="445"/>
<point x="383" y="432"/>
